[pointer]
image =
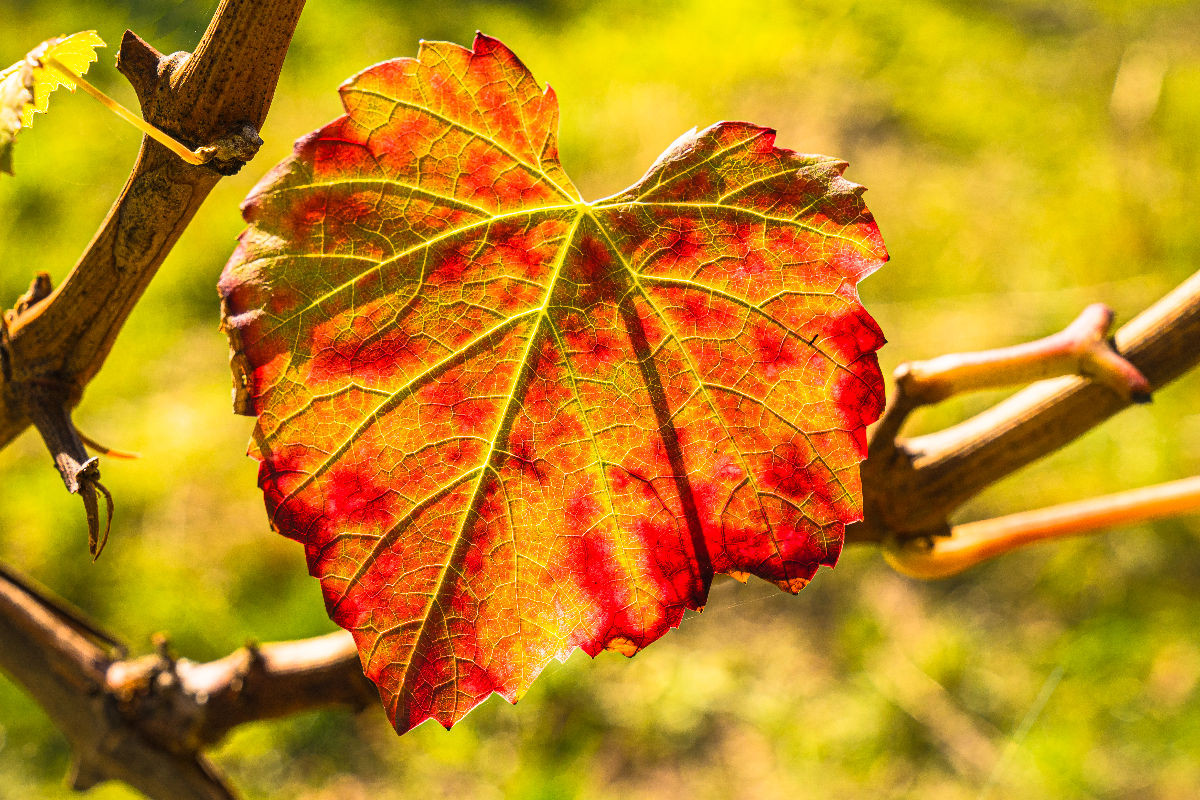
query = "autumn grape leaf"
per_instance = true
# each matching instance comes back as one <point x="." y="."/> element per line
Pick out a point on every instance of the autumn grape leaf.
<point x="506" y="423"/>
<point x="26" y="86"/>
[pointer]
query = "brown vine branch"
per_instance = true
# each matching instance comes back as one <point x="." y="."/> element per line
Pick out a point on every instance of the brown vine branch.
<point x="213" y="100"/>
<point x="193" y="705"/>
<point x="912" y="486"/>
<point x="64" y="670"/>
<point x="145" y="721"/>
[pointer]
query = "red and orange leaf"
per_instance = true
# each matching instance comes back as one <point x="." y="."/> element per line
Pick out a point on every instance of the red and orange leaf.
<point x="506" y="423"/>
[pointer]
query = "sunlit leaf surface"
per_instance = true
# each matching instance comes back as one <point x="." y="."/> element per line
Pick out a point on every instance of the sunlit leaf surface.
<point x="506" y="423"/>
<point x="26" y="86"/>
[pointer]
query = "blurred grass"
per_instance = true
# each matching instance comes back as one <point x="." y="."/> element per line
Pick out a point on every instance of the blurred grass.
<point x="1024" y="158"/>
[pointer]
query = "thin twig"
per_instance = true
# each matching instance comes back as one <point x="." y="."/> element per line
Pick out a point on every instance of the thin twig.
<point x="124" y="113"/>
<point x="974" y="542"/>
<point x="105" y="450"/>
<point x="1079" y="349"/>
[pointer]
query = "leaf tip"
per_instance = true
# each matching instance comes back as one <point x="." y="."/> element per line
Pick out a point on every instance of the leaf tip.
<point x="483" y="43"/>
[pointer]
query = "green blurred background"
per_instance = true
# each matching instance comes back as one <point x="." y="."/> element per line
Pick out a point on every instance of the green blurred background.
<point x="1024" y="158"/>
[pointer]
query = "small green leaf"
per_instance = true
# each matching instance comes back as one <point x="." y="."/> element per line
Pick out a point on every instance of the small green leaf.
<point x="76" y="52"/>
<point x="26" y="86"/>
